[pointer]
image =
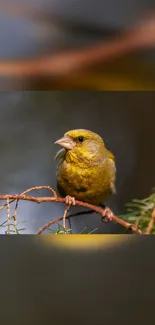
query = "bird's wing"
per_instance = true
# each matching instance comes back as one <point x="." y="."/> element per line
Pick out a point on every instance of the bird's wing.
<point x="111" y="158"/>
<point x="110" y="155"/>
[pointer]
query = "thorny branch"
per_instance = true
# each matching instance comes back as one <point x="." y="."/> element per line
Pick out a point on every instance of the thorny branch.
<point x="55" y="198"/>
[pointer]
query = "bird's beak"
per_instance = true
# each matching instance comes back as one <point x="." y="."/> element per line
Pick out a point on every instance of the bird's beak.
<point x="66" y="142"/>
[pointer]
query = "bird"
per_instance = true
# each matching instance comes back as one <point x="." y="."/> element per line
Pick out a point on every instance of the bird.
<point x="86" y="169"/>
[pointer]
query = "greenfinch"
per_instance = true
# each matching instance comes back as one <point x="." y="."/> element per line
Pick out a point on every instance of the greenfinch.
<point x="86" y="168"/>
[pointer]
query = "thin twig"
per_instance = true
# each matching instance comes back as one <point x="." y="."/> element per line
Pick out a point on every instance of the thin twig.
<point x="50" y="223"/>
<point x="47" y="187"/>
<point x="32" y="189"/>
<point x="47" y="225"/>
<point x="81" y="213"/>
<point x="151" y="223"/>
<point x="8" y="214"/>
<point x="65" y="215"/>
<point x="69" y="222"/>
<point x="23" y="193"/>
<point x="57" y="199"/>
<point x="15" y="215"/>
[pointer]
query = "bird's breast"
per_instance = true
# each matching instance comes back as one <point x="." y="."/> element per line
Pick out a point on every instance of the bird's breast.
<point x="91" y="184"/>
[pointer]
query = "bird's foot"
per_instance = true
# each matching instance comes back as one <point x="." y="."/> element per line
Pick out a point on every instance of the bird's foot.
<point x="107" y="215"/>
<point x="69" y="200"/>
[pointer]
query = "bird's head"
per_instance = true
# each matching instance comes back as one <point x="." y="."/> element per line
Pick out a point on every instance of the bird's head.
<point x="82" y="147"/>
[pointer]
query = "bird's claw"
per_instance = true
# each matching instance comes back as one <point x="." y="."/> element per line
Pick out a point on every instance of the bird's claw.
<point x="69" y="200"/>
<point x="107" y="215"/>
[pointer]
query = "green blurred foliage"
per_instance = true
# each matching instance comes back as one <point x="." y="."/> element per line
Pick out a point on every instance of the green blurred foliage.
<point x="139" y="212"/>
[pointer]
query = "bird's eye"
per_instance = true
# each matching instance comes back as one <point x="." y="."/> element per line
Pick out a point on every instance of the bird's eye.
<point x="80" y="139"/>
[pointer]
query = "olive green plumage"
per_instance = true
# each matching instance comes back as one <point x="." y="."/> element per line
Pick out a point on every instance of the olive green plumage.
<point x="86" y="169"/>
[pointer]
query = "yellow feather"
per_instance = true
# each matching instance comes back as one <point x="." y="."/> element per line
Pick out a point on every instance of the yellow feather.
<point x="87" y="172"/>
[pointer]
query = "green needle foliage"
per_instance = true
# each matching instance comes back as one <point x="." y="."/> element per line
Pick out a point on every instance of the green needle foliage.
<point x="60" y="230"/>
<point x="139" y="212"/>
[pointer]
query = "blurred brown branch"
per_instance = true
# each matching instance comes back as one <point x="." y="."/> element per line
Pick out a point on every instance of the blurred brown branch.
<point x="65" y="63"/>
<point x="55" y="198"/>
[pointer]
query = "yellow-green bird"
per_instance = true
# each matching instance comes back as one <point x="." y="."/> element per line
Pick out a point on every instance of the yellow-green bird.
<point x="86" y="168"/>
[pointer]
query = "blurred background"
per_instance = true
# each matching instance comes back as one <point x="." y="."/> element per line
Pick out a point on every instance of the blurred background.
<point x="63" y="44"/>
<point x="31" y="121"/>
<point x="51" y="282"/>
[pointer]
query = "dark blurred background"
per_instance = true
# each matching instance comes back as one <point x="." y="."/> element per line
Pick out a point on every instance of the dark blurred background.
<point x="113" y="284"/>
<point x="30" y="122"/>
<point x="51" y="283"/>
<point x="31" y="30"/>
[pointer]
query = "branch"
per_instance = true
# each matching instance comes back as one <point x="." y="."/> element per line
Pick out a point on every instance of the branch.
<point x="151" y="223"/>
<point x="58" y="199"/>
<point x="8" y="215"/>
<point x="63" y="64"/>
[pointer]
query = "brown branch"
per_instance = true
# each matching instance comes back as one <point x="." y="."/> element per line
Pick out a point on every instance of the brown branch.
<point x="65" y="216"/>
<point x="8" y="214"/>
<point x="57" y="199"/>
<point x="15" y="215"/>
<point x="23" y="193"/>
<point x="80" y="213"/>
<point x="47" y="225"/>
<point x="32" y="189"/>
<point x="151" y="223"/>
<point x="119" y="221"/>
<point x="62" y="64"/>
